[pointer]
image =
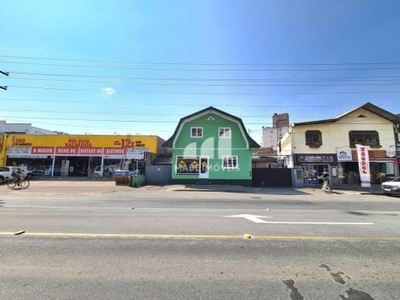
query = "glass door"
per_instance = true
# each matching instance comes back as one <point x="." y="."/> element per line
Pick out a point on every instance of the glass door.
<point x="204" y="171"/>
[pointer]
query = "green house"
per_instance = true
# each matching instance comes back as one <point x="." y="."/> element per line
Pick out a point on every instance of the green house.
<point x="211" y="146"/>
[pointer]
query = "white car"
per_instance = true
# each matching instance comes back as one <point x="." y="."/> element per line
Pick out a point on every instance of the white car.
<point x="6" y="173"/>
<point x="391" y="187"/>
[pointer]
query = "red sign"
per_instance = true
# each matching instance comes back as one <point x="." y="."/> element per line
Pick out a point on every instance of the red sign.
<point x="114" y="151"/>
<point x="42" y="150"/>
<point x="66" y="151"/>
<point x="91" y="151"/>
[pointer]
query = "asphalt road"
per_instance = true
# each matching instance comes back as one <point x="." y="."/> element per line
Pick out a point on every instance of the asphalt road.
<point x="61" y="241"/>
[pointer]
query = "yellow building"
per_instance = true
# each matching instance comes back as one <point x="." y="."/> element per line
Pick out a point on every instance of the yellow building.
<point x="78" y="155"/>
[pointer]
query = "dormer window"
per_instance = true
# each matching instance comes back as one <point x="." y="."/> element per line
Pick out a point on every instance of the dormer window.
<point x="313" y="138"/>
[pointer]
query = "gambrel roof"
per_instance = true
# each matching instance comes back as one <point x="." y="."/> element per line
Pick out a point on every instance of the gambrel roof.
<point x="251" y="143"/>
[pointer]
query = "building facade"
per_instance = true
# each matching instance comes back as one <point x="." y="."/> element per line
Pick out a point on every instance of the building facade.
<point x="78" y="155"/>
<point x="212" y="146"/>
<point x="22" y="128"/>
<point x="329" y="146"/>
<point x="271" y="136"/>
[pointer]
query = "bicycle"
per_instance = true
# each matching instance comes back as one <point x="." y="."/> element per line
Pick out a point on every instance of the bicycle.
<point x="14" y="182"/>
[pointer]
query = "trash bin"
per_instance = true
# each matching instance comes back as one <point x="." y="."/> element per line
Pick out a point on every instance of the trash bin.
<point x="123" y="177"/>
<point x="137" y="180"/>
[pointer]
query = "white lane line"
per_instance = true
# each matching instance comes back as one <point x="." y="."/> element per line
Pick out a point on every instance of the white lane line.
<point x="316" y="223"/>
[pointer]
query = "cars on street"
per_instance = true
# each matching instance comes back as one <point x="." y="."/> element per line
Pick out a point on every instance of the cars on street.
<point x="391" y="187"/>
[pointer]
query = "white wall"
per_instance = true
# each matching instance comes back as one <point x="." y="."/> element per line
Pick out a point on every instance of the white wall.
<point x="336" y="135"/>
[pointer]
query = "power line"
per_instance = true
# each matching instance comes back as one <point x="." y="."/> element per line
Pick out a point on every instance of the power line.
<point x="397" y="82"/>
<point x="130" y="103"/>
<point x="159" y="121"/>
<point x="196" y="64"/>
<point x="208" y="93"/>
<point x="200" y="70"/>
<point x="123" y="113"/>
<point x="307" y="79"/>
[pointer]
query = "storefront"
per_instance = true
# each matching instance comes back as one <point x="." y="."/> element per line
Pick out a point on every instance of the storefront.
<point x="69" y="155"/>
<point x="382" y="165"/>
<point x="315" y="165"/>
<point x="342" y="167"/>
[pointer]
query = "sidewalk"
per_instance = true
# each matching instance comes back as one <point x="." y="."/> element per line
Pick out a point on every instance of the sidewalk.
<point x="77" y="186"/>
<point x="271" y="190"/>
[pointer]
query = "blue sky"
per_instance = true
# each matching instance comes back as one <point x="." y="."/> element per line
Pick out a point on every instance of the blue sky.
<point x="104" y="67"/>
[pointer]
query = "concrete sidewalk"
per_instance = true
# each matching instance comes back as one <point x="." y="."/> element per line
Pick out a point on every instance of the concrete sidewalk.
<point x="87" y="187"/>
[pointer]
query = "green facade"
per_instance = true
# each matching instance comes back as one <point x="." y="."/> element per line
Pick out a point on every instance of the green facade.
<point x="220" y="155"/>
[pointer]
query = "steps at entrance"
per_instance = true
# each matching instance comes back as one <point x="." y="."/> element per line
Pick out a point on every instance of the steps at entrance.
<point x="203" y="182"/>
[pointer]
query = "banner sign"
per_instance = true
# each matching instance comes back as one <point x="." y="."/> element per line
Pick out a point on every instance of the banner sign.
<point x="363" y="165"/>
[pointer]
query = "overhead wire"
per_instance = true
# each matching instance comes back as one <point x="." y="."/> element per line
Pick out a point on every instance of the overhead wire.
<point x="306" y="79"/>
<point x="209" y="93"/>
<point x="372" y="82"/>
<point x="195" y="63"/>
<point x="348" y="81"/>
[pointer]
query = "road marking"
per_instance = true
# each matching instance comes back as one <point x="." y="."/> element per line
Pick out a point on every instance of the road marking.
<point x="256" y="219"/>
<point x="253" y="218"/>
<point x="195" y="236"/>
<point x="316" y="223"/>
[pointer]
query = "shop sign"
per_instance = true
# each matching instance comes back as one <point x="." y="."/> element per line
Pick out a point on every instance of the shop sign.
<point x="390" y="153"/>
<point x="344" y="155"/>
<point x="316" y="158"/>
<point x="135" y="154"/>
<point x="114" y="151"/>
<point x="42" y="150"/>
<point x="18" y="151"/>
<point x="90" y="151"/>
<point x="83" y="141"/>
<point x="363" y="165"/>
<point x="21" y="141"/>
<point x="66" y="151"/>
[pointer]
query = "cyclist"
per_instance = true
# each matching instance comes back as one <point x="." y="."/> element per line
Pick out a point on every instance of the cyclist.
<point x="19" y="175"/>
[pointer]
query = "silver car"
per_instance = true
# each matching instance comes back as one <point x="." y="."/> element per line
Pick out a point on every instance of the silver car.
<point x="391" y="187"/>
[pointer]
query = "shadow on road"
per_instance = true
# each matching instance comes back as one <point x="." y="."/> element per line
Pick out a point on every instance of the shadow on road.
<point x="241" y="189"/>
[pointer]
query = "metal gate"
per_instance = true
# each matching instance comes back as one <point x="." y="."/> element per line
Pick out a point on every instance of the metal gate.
<point x="158" y="174"/>
<point x="272" y="177"/>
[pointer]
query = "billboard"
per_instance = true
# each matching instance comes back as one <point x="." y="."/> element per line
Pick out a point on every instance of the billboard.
<point x="80" y="145"/>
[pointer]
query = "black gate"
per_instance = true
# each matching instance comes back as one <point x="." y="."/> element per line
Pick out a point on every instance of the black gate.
<point x="272" y="177"/>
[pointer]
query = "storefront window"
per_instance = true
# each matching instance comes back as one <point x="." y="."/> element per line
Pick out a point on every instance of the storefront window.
<point x="313" y="171"/>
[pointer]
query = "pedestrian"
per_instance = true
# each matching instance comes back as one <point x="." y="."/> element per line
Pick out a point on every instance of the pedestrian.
<point x="326" y="185"/>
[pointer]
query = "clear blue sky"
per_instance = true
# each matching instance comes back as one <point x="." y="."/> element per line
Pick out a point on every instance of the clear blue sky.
<point x="124" y="66"/>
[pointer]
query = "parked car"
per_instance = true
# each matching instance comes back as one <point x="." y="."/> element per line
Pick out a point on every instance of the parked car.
<point x="391" y="187"/>
<point x="389" y="177"/>
<point x="6" y="173"/>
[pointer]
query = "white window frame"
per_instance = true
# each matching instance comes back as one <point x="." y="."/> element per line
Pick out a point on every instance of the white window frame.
<point x="226" y="132"/>
<point x="232" y="162"/>
<point x="197" y="132"/>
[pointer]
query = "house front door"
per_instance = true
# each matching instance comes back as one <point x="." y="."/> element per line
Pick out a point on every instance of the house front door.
<point x="204" y="171"/>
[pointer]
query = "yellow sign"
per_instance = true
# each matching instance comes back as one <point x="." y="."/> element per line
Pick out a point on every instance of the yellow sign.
<point x="150" y="143"/>
<point x="1" y="143"/>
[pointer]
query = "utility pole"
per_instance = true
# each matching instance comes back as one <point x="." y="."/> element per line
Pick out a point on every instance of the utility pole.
<point x="4" y="87"/>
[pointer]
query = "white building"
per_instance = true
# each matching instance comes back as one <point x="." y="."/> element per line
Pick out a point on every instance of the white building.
<point x="23" y="128"/>
<point x="328" y="145"/>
